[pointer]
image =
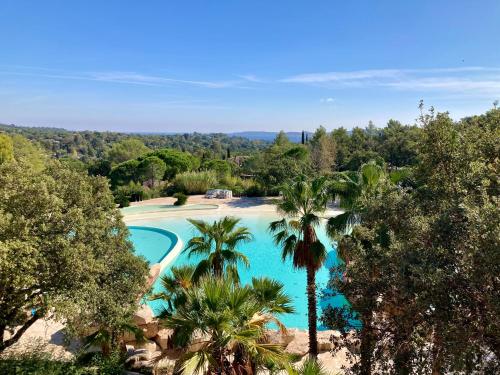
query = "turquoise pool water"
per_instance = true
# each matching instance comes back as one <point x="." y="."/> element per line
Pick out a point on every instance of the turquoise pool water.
<point x="265" y="260"/>
<point x="165" y="207"/>
<point x="152" y="243"/>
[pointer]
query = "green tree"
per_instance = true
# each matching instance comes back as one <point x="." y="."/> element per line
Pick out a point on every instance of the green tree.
<point x="152" y="169"/>
<point x="234" y="319"/>
<point x="124" y="173"/>
<point x="63" y="250"/>
<point x="126" y="149"/>
<point x="422" y="268"/>
<point x="6" y="148"/>
<point x="323" y="151"/>
<point x="176" y="161"/>
<point x="218" y="243"/>
<point x="29" y="152"/>
<point x="303" y="201"/>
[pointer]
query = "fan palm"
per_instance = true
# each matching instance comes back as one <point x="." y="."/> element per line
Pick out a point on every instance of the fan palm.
<point x="353" y="190"/>
<point x="174" y="285"/>
<point x="218" y="243"/>
<point x="230" y="319"/>
<point x="303" y="201"/>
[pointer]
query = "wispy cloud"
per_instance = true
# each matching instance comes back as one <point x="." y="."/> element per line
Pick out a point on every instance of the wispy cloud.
<point x="327" y="100"/>
<point x="131" y="78"/>
<point x="459" y="79"/>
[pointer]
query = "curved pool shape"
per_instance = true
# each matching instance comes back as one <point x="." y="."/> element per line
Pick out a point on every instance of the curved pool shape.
<point x="265" y="260"/>
<point x="132" y="210"/>
<point x="154" y="244"/>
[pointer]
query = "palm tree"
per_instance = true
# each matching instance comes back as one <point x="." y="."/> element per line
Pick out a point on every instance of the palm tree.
<point x="174" y="286"/>
<point x="353" y="190"/>
<point x="231" y="321"/>
<point x="218" y="243"/>
<point x="303" y="201"/>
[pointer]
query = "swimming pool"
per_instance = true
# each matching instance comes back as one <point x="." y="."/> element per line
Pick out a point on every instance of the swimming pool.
<point x="152" y="243"/>
<point x="265" y="260"/>
<point x="148" y="208"/>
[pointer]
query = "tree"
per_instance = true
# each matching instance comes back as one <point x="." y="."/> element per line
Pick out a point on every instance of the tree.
<point x="281" y="139"/>
<point x="322" y="151"/>
<point x="63" y="250"/>
<point x="152" y="169"/>
<point x="233" y="319"/>
<point x="303" y="201"/>
<point x="6" y="148"/>
<point x="342" y="147"/>
<point x="218" y="243"/>
<point x="126" y="149"/>
<point x="422" y="269"/>
<point x="29" y="152"/>
<point x="354" y="190"/>
<point x="176" y="161"/>
<point x="125" y="173"/>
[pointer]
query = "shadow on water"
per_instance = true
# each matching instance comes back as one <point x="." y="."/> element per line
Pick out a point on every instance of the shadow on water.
<point x="329" y="297"/>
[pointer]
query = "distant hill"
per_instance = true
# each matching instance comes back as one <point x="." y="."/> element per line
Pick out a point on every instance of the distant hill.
<point x="268" y="136"/>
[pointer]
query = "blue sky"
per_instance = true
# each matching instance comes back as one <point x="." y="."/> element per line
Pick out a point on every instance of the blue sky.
<point x="244" y="65"/>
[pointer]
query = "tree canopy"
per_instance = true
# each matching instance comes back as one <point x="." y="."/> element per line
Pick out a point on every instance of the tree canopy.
<point x="63" y="248"/>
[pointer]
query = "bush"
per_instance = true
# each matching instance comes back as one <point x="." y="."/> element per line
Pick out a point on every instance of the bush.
<point x="195" y="182"/>
<point x="255" y="190"/>
<point x="181" y="199"/>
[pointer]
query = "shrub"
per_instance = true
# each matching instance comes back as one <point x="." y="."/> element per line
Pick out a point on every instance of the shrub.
<point x="181" y="199"/>
<point x="195" y="182"/>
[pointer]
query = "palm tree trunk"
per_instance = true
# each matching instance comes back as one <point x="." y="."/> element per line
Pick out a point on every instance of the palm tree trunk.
<point x="312" y="312"/>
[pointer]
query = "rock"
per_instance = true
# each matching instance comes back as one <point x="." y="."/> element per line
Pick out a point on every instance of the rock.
<point x="138" y="357"/>
<point x="299" y="345"/>
<point x="129" y="349"/>
<point x="143" y="316"/>
<point x="128" y="337"/>
<point x="150" y="330"/>
<point x="162" y="338"/>
<point x="324" y="341"/>
<point x="276" y="337"/>
<point x="147" y="345"/>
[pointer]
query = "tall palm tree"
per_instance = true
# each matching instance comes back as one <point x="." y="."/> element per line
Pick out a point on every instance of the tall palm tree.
<point x="232" y="321"/>
<point x="302" y="204"/>
<point x="218" y="243"/>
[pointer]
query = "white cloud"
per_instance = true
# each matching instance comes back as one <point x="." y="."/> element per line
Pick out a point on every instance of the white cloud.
<point x="471" y="79"/>
<point x="327" y="100"/>
<point x="131" y="78"/>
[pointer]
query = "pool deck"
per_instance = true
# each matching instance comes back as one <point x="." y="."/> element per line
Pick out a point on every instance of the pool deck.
<point x="229" y="206"/>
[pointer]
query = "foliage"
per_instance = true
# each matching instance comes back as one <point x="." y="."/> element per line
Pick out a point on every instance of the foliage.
<point x="126" y="149"/>
<point x="217" y="243"/>
<point x="181" y="199"/>
<point x="88" y="145"/>
<point x="6" y="148"/>
<point x="40" y="363"/>
<point x="221" y="167"/>
<point x="125" y="173"/>
<point x="152" y="169"/>
<point x="63" y="249"/>
<point x="196" y="182"/>
<point x="323" y="151"/>
<point x="176" y="161"/>
<point x="133" y="192"/>
<point x="233" y="319"/>
<point x="29" y="152"/>
<point x="422" y="267"/>
<point x="303" y="201"/>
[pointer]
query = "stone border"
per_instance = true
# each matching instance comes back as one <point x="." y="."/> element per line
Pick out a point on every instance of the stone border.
<point x="156" y="269"/>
